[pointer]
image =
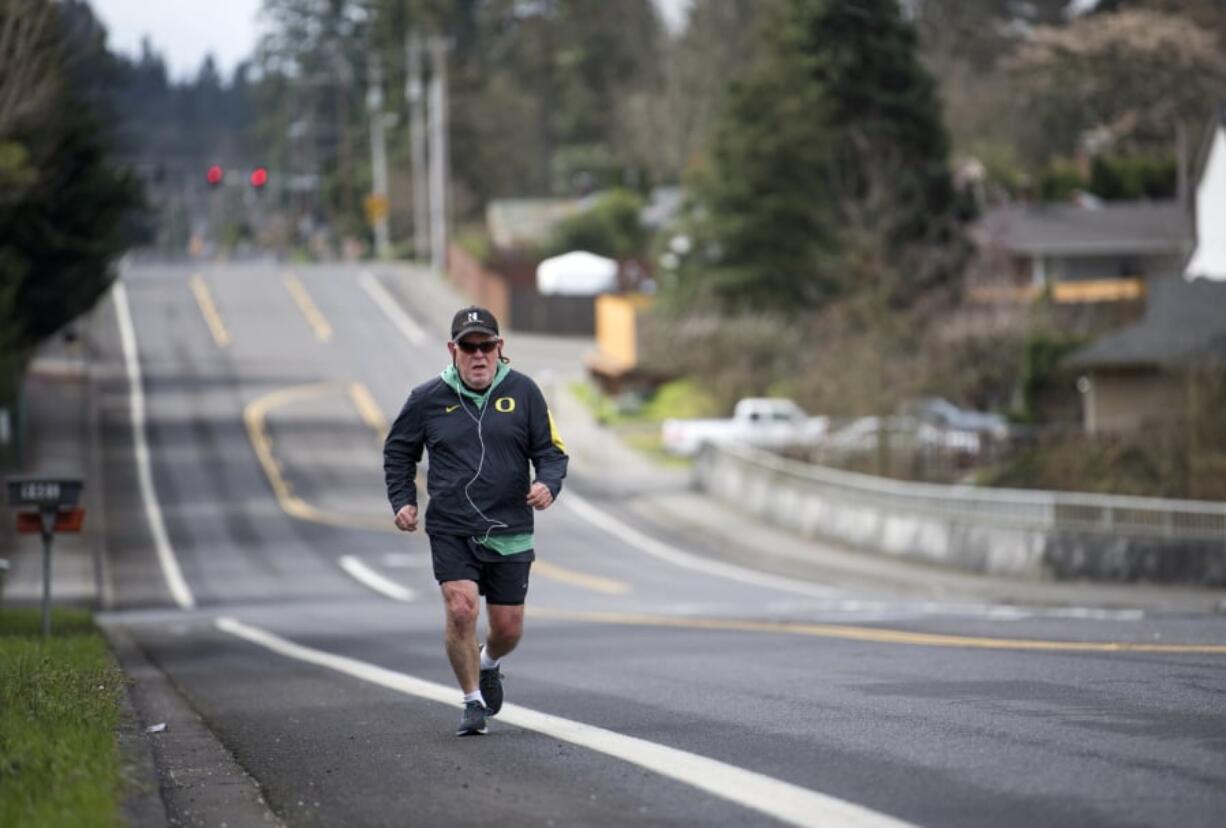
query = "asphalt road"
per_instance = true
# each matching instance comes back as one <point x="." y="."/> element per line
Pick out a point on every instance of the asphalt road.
<point x="656" y="685"/>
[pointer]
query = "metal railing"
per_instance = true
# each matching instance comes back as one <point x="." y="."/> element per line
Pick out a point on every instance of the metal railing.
<point x="1018" y="508"/>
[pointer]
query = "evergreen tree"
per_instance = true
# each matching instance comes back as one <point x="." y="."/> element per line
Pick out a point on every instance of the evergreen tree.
<point x="889" y="172"/>
<point x="832" y="145"/>
<point x="766" y="237"/>
<point x="61" y="229"/>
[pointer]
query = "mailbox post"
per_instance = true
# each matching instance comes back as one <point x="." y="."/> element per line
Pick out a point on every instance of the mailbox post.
<point x="46" y="506"/>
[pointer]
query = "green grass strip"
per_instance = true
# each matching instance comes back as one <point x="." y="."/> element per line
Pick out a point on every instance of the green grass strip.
<point x="59" y="710"/>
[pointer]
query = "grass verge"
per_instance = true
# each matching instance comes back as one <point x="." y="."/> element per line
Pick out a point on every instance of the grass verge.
<point x="638" y="425"/>
<point x="59" y="710"/>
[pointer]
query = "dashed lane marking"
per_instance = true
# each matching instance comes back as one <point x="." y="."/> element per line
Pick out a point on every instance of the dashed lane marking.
<point x="781" y="800"/>
<point x="314" y="317"/>
<point x="379" y="583"/>
<point x="365" y="403"/>
<point x="208" y="308"/>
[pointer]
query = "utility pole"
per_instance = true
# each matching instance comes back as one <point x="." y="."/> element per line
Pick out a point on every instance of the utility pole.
<point x="438" y="153"/>
<point x="343" y="84"/>
<point x="414" y="94"/>
<point x="376" y="205"/>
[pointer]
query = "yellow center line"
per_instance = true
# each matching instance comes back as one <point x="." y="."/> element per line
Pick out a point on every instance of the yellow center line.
<point x="553" y="572"/>
<point x="370" y="411"/>
<point x="314" y="318"/>
<point x="255" y="417"/>
<point x="209" y="310"/>
<point x="876" y="635"/>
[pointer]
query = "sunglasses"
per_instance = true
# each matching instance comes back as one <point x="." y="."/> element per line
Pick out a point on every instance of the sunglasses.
<point x="486" y="347"/>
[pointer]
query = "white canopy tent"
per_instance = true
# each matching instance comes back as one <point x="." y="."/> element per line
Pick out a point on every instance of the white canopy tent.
<point x="576" y="274"/>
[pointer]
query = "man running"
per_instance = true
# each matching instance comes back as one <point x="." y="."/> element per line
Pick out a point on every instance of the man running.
<point x="482" y="424"/>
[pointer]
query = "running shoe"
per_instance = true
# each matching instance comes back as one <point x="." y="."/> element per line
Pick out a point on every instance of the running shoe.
<point x="473" y="723"/>
<point x="491" y="689"/>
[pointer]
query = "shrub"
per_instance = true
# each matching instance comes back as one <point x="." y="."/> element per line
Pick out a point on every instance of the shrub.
<point x="1121" y="178"/>
<point x="610" y="228"/>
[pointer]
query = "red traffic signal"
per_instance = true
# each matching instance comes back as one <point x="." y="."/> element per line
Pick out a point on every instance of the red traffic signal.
<point x="214" y="175"/>
<point x="259" y="177"/>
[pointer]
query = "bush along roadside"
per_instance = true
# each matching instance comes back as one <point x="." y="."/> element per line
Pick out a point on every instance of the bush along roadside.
<point x="59" y="711"/>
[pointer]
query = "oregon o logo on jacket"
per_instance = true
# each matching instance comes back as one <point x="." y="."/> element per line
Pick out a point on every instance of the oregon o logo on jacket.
<point x="504" y="405"/>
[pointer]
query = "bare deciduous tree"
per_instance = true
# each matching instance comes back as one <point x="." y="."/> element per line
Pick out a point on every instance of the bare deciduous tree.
<point x="1130" y="77"/>
<point x="28" y="57"/>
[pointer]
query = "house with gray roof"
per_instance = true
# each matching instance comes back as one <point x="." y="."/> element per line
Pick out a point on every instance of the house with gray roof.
<point x="1047" y="245"/>
<point x="1140" y="374"/>
<point x="1148" y="371"/>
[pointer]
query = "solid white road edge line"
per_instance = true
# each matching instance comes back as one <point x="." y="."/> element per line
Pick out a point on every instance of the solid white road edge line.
<point x="379" y="583"/>
<point x="144" y="472"/>
<point x="391" y="308"/>
<point x="677" y="557"/>
<point x="666" y="552"/>
<point x="774" y="797"/>
<point x="671" y="554"/>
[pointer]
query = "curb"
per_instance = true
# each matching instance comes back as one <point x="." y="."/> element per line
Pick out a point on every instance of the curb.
<point x="182" y="775"/>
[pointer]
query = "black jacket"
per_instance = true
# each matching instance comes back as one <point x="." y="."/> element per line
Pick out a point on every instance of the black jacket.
<point x="516" y="428"/>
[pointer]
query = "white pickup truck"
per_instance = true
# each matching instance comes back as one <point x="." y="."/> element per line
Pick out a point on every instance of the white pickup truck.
<point x="765" y="422"/>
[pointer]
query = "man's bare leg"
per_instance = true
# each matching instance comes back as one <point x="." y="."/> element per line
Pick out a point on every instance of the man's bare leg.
<point x="506" y="628"/>
<point x="462" y="605"/>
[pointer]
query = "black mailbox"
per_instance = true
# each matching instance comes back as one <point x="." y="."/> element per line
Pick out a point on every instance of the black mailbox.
<point x="44" y="492"/>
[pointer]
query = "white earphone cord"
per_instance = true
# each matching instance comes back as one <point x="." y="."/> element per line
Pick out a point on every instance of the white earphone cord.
<point x="493" y="524"/>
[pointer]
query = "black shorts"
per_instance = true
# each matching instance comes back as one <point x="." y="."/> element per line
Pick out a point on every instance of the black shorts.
<point x="502" y="579"/>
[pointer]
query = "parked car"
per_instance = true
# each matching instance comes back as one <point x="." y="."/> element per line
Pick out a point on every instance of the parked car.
<point x="946" y="416"/>
<point x="765" y="422"/>
<point x="864" y="434"/>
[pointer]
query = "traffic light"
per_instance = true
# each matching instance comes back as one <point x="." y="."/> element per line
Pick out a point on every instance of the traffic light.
<point x="214" y="175"/>
<point x="259" y="177"/>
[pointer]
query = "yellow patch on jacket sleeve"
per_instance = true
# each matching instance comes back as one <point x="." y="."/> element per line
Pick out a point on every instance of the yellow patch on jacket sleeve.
<point x="553" y="432"/>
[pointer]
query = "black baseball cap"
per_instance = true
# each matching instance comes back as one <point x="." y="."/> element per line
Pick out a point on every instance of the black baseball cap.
<point x="472" y="320"/>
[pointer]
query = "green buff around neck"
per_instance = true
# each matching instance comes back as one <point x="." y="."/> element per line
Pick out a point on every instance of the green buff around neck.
<point x="451" y="376"/>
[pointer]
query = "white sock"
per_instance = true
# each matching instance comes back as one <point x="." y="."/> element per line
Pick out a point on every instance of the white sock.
<point x="474" y="696"/>
<point x="488" y="663"/>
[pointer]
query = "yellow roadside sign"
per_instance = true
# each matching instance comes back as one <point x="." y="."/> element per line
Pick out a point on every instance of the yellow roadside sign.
<point x="376" y="207"/>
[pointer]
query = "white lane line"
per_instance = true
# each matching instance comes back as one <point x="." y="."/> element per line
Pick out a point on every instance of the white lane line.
<point x="379" y="583"/>
<point x="405" y="560"/>
<point x="403" y="322"/>
<point x="677" y="557"/>
<point x="144" y="472"/>
<point x="773" y="797"/>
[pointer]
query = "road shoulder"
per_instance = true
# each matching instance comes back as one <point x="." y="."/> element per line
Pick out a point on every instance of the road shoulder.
<point x="197" y="779"/>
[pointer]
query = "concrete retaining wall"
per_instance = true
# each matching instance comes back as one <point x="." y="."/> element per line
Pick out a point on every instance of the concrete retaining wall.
<point x="818" y="508"/>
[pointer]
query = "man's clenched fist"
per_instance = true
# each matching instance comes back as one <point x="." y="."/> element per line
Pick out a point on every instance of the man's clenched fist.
<point x="406" y="518"/>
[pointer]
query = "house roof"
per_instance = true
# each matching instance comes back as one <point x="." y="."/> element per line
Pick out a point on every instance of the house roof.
<point x="1143" y="227"/>
<point x="516" y="221"/>
<point x="1184" y="322"/>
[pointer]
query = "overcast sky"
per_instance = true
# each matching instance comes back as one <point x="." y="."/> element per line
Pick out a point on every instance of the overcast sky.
<point x="184" y="31"/>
